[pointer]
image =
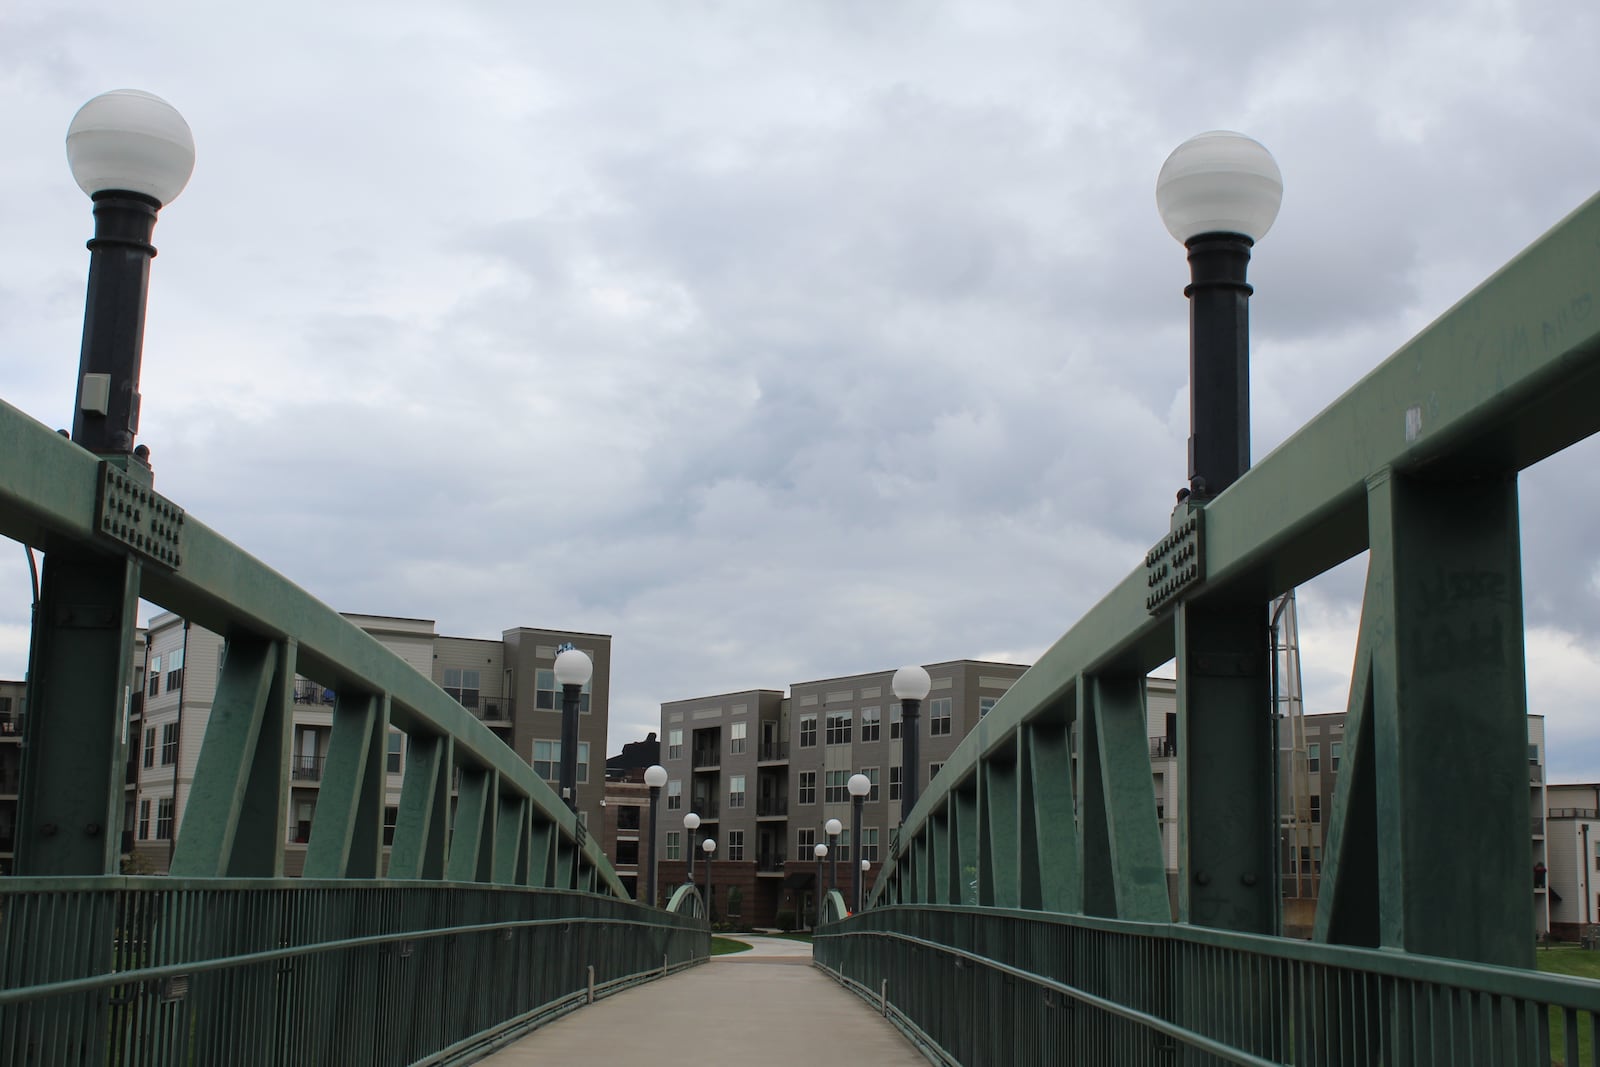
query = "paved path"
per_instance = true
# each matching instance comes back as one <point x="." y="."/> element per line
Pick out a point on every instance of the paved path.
<point x="767" y="1006"/>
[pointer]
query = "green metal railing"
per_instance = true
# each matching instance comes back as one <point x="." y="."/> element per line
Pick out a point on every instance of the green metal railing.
<point x="992" y="986"/>
<point x="167" y="971"/>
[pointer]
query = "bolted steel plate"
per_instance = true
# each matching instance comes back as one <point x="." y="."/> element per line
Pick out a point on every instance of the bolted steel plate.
<point x="1176" y="563"/>
<point x="138" y="518"/>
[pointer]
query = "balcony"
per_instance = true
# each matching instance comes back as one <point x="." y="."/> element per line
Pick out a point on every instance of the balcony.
<point x="773" y="751"/>
<point x="1162" y="747"/>
<point x="707" y="757"/>
<point x="306" y="768"/>
<point x="11" y="726"/>
<point x="495" y="710"/>
<point x="1536" y="826"/>
<point x="768" y="807"/>
<point x="1535" y="772"/>
<point x="1574" y="813"/>
<point x="770" y="863"/>
<point x="705" y="807"/>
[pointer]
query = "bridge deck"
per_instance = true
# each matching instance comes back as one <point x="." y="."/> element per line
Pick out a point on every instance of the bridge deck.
<point x="769" y="1002"/>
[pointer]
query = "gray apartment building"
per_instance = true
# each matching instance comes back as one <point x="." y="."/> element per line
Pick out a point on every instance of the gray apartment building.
<point x="508" y="683"/>
<point x="766" y="772"/>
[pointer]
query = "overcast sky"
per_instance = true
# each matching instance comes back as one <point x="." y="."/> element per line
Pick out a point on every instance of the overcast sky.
<point x="779" y="341"/>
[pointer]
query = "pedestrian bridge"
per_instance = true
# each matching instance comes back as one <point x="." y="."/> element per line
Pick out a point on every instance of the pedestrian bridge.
<point x="1023" y="914"/>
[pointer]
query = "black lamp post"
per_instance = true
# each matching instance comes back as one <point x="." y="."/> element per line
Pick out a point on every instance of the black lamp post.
<point x="859" y="785"/>
<point x="910" y="686"/>
<point x="821" y="852"/>
<point x="833" y="827"/>
<point x="132" y="153"/>
<point x="655" y="777"/>
<point x="709" y="847"/>
<point x="573" y="670"/>
<point x="1219" y="193"/>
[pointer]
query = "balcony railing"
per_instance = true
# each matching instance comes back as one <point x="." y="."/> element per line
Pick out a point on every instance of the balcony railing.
<point x="707" y="757"/>
<point x="1536" y="826"/>
<point x="1574" y="813"/>
<point x="773" y="750"/>
<point x="770" y="861"/>
<point x="306" y="768"/>
<point x="773" y="805"/>
<point x="1162" y="746"/>
<point x="11" y="725"/>
<point x="705" y="807"/>
<point x="1535" y="772"/>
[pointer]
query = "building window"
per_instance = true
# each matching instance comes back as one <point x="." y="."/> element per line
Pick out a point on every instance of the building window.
<point x="1313" y="758"/>
<point x="1316" y="859"/>
<point x="838" y="728"/>
<point x="808" y="731"/>
<point x="674" y="744"/>
<point x="1533" y="750"/>
<point x="735" y="792"/>
<point x="674" y="794"/>
<point x="144" y="820"/>
<point x="548" y="695"/>
<point x="393" y="761"/>
<point x="1335" y="750"/>
<point x="1316" y="809"/>
<point x="169" y="743"/>
<point x="736" y="733"/>
<point x="5" y="705"/>
<point x="871" y="724"/>
<point x="674" y="845"/>
<point x="735" y="844"/>
<point x="164" y="819"/>
<point x="547" y="761"/>
<point x="391" y="816"/>
<point x="934" y="769"/>
<point x="175" y="670"/>
<point x="894" y="722"/>
<point x="806" y="840"/>
<point x="155" y="676"/>
<point x="986" y="705"/>
<point x="939" y="717"/>
<point x="842" y="846"/>
<point x="835" y="789"/>
<point x="869" y="844"/>
<point x="894" y="783"/>
<point x="872" y="776"/>
<point x="808" y="787"/>
<point x="463" y="686"/>
<point x="150" y="746"/>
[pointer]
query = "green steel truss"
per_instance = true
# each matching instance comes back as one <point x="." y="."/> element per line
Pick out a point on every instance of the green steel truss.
<point x="497" y="910"/>
<point x="1047" y="805"/>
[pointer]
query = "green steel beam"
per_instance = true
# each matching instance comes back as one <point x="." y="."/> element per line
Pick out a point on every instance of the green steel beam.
<point x="1124" y="872"/>
<point x="511" y="831"/>
<point x="1001" y="837"/>
<point x="1447" y="661"/>
<point x="1052" y="879"/>
<point x="541" y="843"/>
<point x="225" y="772"/>
<point x="963" y="842"/>
<point x="340" y="844"/>
<point x="75" y="736"/>
<point x="420" y="838"/>
<point x="466" y="838"/>
<point x="1227" y="768"/>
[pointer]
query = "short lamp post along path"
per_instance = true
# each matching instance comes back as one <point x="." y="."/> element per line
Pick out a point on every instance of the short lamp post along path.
<point x="859" y="785"/>
<point x="709" y="847"/>
<point x="833" y="827"/>
<point x="655" y="777"/>
<point x="1219" y="194"/>
<point x="821" y="852"/>
<point x="910" y="686"/>
<point x="132" y="153"/>
<point x="691" y="823"/>
<point x="573" y="671"/>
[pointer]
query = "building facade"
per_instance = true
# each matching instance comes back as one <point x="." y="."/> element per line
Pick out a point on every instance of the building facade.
<point x="509" y="684"/>
<point x="13" y="704"/>
<point x="766" y="772"/>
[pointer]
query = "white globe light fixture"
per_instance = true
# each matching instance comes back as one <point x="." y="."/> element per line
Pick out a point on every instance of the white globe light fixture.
<point x="833" y="826"/>
<point x="865" y="864"/>
<point x="708" y="846"/>
<point x="132" y="142"/>
<point x="655" y="776"/>
<point x="911" y="683"/>
<point x="820" y="850"/>
<point x="573" y="668"/>
<point x="1219" y="182"/>
<point x="691" y="821"/>
<point x="1219" y="194"/>
<point x="859" y="785"/>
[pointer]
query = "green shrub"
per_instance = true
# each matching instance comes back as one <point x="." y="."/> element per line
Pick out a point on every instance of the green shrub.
<point x="785" y="920"/>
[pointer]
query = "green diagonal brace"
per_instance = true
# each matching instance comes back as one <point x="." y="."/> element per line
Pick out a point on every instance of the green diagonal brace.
<point x="421" y="833"/>
<point x="347" y="826"/>
<point x="1051" y="879"/>
<point x="466" y="838"/>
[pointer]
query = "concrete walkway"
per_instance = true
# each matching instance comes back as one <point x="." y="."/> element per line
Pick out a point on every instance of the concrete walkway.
<point x="767" y="1006"/>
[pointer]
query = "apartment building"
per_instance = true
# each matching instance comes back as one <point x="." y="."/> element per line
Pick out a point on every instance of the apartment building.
<point x="13" y="701"/>
<point x="1571" y="875"/>
<point x="766" y="772"/>
<point x="509" y="684"/>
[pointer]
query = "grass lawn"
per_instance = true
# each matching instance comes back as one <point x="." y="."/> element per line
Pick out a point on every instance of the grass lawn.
<point x="791" y="937"/>
<point x="1577" y="963"/>
<point x="722" y="946"/>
